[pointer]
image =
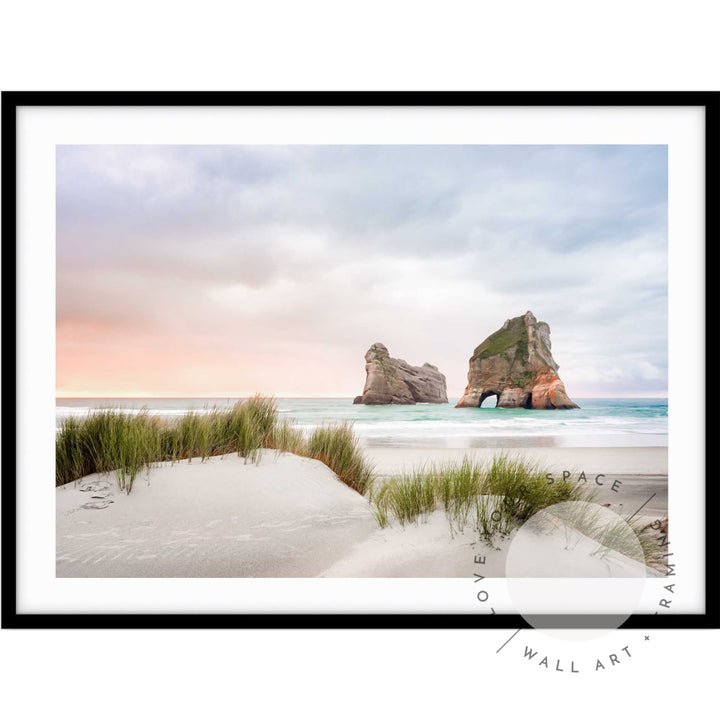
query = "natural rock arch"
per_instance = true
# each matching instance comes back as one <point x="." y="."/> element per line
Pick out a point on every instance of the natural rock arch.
<point x="516" y="364"/>
<point x="487" y="395"/>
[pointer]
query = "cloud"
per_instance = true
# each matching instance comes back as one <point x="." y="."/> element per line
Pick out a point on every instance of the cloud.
<point x="279" y="265"/>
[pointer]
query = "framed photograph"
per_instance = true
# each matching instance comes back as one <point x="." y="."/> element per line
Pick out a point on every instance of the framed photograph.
<point x="351" y="360"/>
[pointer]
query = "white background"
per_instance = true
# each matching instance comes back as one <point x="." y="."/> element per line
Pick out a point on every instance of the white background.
<point x="472" y="45"/>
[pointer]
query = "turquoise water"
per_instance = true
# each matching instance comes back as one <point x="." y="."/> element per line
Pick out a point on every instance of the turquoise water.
<point x="600" y="422"/>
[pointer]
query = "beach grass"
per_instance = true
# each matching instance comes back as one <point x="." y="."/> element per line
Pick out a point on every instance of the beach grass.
<point x="497" y="497"/>
<point x="126" y="443"/>
<point x="337" y="447"/>
<point x="493" y="498"/>
<point x="105" y="442"/>
<point x="628" y="536"/>
<point x="285" y="437"/>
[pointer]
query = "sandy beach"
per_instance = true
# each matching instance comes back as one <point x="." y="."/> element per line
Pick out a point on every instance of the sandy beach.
<point x="291" y="517"/>
<point x="593" y="460"/>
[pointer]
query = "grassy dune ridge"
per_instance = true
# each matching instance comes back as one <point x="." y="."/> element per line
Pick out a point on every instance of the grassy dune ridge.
<point x="112" y="441"/>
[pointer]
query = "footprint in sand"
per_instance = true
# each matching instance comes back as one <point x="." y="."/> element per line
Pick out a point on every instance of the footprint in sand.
<point x="97" y="504"/>
<point x="102" y="494"/>
<point x="100" y="486"/>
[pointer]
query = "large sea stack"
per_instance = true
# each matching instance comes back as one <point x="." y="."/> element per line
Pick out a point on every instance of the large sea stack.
<point x="394" y="382"/>
<point x="516" y="365"/>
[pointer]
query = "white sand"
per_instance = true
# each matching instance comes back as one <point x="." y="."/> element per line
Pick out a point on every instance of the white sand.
<point x="619" y="460"/>
<point x="424" y="550"/>
<point x="428" y="550"/>
<point x="285" y="517"/>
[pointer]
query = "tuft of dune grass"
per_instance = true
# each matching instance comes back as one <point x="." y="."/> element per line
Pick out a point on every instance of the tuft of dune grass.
<point x="493" y="498"/>
<point x="285" y="437"/>
<point x="111" y="441"/>
<point x="105" y="442"/>
<point x="337" y="447"/>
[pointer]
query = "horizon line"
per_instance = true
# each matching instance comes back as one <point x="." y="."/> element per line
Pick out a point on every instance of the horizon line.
<point x="308" y="397"/>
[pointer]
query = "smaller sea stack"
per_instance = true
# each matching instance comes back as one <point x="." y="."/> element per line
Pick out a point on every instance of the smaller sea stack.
<point x="394" y="382"/>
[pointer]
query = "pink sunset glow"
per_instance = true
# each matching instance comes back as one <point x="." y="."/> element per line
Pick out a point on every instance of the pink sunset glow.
<point x="225" y="271"/>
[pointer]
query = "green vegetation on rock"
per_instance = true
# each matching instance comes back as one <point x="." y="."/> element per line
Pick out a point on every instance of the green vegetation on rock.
<point x="515" y="335"/>
<point x="522" y="379"/>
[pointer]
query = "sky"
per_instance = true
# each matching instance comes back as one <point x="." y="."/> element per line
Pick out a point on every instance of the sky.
<point x="221" y="271"/>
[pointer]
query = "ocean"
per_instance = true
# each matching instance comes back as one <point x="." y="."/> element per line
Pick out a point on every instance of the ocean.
<point x="600" y="422"/>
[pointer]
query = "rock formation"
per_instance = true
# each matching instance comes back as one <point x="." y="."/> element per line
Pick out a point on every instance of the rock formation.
<point x="394" y="382"/>
<point x="516" y="365"/>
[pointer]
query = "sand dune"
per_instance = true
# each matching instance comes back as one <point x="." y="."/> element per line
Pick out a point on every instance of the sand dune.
<point x="284" y="517"/>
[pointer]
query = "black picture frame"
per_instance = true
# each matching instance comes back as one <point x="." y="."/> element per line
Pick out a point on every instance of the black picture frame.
<point x="12" y="101"/>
